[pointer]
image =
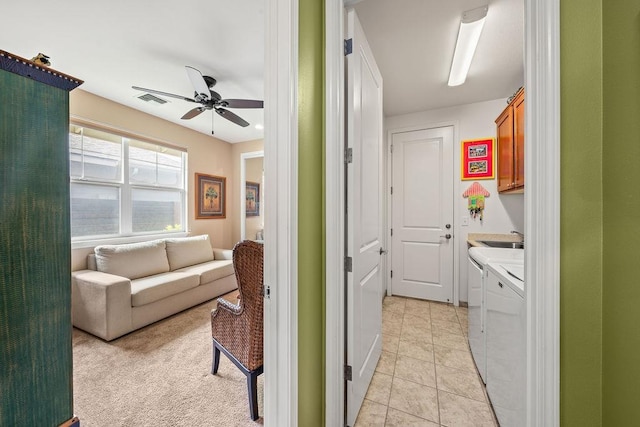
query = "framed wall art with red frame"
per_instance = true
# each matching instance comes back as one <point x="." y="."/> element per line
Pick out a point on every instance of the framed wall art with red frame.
<point x="478" y="157"/>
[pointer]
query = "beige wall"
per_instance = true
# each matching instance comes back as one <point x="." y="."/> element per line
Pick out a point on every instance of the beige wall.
<point x="237" y="150"/>
<point x="206" y="154"/>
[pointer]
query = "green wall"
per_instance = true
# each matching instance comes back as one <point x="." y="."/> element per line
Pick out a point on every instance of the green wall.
<point x="581" y="213"/>
<point x="311" y="280"/>
<point x="621" y="146"/>
<point x="600" y="343"/>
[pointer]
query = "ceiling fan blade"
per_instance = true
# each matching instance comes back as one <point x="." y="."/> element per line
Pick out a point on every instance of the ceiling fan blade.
<point x="243" y="103"/>
<point x="157" y="92"/>
<point x="232" y="117"/>
<point x="192" y="113"/>
<point x="198" y="82"/>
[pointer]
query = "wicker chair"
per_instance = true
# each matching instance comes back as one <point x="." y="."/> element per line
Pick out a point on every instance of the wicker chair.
<point x="237" y="330"/>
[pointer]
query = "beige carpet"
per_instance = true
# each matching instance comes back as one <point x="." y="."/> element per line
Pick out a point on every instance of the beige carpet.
<point x="159" y="376"/>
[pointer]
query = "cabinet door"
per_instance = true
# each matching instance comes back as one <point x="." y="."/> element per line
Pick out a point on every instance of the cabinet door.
<point x="518" y="143"/>
<point x="504" y="125"/>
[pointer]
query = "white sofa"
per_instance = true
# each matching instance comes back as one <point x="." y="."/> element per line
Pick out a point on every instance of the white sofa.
<point x="129" y="286"/>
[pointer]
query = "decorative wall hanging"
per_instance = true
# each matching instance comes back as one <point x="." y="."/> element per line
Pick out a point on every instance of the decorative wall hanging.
<point x="476" y="194"/>
<point x="477" y="159"/>
<point x="210" y="196"/>
<point x="253" y="199"/>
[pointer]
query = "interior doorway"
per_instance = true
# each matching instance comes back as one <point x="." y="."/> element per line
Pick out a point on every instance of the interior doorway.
<point x="252" y="195"/>
<point x="542" y="77"/>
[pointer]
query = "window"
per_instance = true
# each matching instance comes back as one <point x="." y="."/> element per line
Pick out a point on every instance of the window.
<point x="124" y="187"/>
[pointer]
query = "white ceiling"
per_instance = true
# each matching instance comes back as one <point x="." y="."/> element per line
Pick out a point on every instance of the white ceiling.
<point x="118" y="44"/>
<point x="113" y="45"/>
<point x="413" y="43"/>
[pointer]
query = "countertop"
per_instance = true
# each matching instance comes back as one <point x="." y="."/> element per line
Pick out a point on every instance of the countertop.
<point x="472" y="238"/>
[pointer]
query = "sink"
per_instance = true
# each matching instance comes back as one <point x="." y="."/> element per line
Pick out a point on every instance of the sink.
<point x="502" y="244"/>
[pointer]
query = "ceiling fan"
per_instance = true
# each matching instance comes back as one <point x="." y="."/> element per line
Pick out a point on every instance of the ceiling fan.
<point x="209" y="99"/>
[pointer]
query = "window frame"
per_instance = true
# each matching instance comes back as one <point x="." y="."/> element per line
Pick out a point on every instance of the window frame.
<point x="126" y="189"/>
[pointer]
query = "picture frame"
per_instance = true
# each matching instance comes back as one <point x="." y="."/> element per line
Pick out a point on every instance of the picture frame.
<point x="478" y="159"/>
<point x="210" y="196"/>
<point x="252" y="195"/>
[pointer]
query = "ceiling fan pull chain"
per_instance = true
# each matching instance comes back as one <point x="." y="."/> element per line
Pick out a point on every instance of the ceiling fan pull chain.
<point x="212" y="121"/>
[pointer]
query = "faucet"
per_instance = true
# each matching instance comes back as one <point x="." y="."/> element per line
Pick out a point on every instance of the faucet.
<point x="518" y="233"/>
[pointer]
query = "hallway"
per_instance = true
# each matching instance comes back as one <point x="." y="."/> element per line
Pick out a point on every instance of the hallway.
<point x="426" y="375"/>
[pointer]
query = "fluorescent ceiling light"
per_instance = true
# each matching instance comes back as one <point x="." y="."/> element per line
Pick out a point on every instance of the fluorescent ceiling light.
<point x="468" y="36"/>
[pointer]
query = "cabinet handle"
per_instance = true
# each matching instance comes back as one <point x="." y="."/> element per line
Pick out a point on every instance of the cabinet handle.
<point x="501" y="285"/>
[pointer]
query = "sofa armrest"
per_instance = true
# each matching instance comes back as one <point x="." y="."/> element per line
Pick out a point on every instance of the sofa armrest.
<point x="219" y="253"/>
<point x="101" y="303"/>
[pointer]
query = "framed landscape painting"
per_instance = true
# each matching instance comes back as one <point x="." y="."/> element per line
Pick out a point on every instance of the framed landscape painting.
<point x="210" y="196"/>
<point x="477" y="159"/>
<point x="253" y="199"/>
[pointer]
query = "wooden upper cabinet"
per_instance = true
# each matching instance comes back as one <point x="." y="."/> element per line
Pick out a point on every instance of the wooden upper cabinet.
<point x="510" y="138"/>
<point x="518" y="144"/>
<point x="504" y="125"/>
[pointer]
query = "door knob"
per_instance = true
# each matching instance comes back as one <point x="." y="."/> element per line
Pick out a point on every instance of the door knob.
<point x="447" y="236"/>
<point x="382" y="251"/>
<point x="448" y="226"/>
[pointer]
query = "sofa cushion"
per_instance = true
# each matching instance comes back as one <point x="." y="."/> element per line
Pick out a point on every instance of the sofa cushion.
<point x="212" y="270"/>
<point x="153" y="288"/>
<point x="133" y="260"/>
<point x="186" y="251"/>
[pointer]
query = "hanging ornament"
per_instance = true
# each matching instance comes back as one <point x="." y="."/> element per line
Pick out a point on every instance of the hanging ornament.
<point x="476" y="194"/>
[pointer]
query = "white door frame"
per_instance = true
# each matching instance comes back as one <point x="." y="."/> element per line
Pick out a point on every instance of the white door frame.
<point x="335" y="181"/>
<point x="542" y="204"/>
<point x="243" y="188"/>
<point x="542" y="210"/>
<point x="281" y="225"/>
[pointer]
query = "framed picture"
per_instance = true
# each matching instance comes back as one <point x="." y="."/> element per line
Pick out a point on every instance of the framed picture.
<point x="253" y="199"/>
<point x="478" y="159"/>
<point x="210" y="196"/>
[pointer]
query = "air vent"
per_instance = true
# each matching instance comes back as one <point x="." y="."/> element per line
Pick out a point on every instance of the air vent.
<point x="147" y="97"/>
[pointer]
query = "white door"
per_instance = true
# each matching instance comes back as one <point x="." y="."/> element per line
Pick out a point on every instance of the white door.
<point x="422" y="211"/>
<point x="364" y="216"/>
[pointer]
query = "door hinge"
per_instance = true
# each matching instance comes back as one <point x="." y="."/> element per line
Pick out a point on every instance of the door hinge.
<point x="348" y="264"/>
<point x="266" y="292"/>
<point x="391" y="148"/>
<point x="392" y="231"/>
<point x="348" y="373"/>
<point x="348" y="47"/>
<point x="392" y="274"/>
<point x="391" y="190"/>
<point x="348" y="155"/>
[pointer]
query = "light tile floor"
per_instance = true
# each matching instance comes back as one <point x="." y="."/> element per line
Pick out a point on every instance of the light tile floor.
<point x="426" y="375"/>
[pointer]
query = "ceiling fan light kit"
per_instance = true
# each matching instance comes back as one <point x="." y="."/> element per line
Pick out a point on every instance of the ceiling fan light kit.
<point x="468" y="36"/>
<point x="208" y="98"/>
